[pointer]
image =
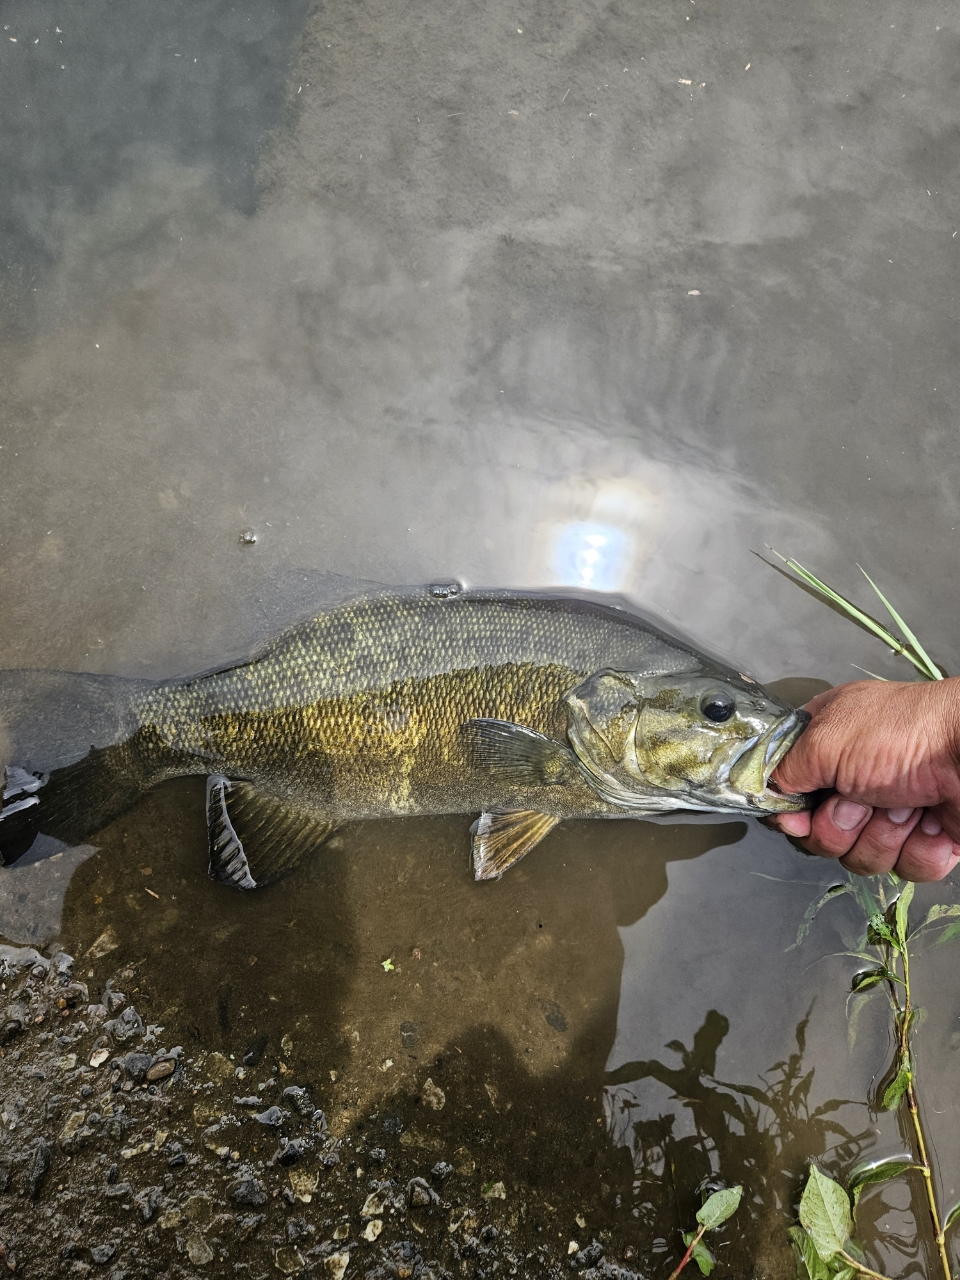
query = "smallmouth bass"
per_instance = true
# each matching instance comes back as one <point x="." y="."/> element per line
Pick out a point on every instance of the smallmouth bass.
<point x="526" y="708"/>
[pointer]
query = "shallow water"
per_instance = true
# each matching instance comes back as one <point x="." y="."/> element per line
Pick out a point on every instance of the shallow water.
<point x="486" y="293"/>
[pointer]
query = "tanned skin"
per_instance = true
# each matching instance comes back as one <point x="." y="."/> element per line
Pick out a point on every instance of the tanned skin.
<point x="890" y="754"/>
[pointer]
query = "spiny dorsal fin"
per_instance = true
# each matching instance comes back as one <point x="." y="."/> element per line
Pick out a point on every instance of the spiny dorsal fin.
<point x="519" y="754"/>
<point x="255" y="839"/>
<point x="502" y="838"/>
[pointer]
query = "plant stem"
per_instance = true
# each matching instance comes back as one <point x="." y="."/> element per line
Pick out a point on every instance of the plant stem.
<point x="854" y="1262"/>
<point x="903" y="1035"/>
<point x="689" y="1254"/>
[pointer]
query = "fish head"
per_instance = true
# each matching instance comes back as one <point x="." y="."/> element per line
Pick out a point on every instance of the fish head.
<point x="683" y="740"/>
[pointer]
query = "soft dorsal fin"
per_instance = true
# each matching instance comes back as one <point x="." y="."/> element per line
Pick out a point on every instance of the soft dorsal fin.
<point x="255" y="839"/>
<point x="502" y="838"/>
<point x="519" y="754"/>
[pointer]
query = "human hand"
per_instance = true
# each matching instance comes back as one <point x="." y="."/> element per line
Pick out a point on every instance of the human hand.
<point x="890" y="753"/>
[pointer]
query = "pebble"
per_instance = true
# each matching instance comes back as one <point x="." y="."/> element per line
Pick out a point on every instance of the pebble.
<point x="272" y="1117"/>
<point x="102" y="1253"/>
<point x="432" y="1096"/>
<point x="137" y="1065"/>
<point x="99" y="1057"/>
<point x="495" y="1191"/>
<point x="372" y="1229"/>
<point x="336" y="1265"/>
<point x="249" y="1191"/>
<point x="160" y="1070"/>
<point x="198" y="1251"/>
<point x="289" y="1260"/>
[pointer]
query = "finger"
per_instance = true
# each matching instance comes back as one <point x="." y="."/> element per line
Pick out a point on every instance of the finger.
<point x="929" y="853"/>
<point x="836" y="827"/>
<point x="879" y="844"/>
<point x="791" y="824"/>
<point x="821" y="700"/>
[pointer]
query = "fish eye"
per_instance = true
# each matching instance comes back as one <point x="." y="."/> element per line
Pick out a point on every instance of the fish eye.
<point x="717" y="706"/>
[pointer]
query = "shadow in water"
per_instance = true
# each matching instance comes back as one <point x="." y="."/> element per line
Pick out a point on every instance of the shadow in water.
<point x="759" y="1135"/>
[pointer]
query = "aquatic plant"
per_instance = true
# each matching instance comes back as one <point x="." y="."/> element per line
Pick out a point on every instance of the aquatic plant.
<point x="714" y="1211"/>
<point x="824" y="1240"/>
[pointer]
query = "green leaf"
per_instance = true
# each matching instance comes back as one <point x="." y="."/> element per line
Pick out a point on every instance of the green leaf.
<point x="932" y="671"/>
<point x="703" y="1258"/>
<point x="868" y="978"/>
<point x="898" y="1086"/>
<point x="855" y="1005"/>
<point x="810" y="1266"/>
<point x="701" y="1254"/>
<point x="825" y="1213"/>
<point x="870" y="1172"/>
<point x="878" y="932"/>
<point x="903" y="911"/>
<point x="952" y="1216"/>
<point x="845" y="1273"/>
<point x="950" y="932"/>
<point x="940" y="910"/>
<point x="719" y="1207"/>
<point x="808" y="916"/>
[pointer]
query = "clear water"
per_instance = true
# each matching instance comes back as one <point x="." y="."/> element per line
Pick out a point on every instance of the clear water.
<point x="490" y="293"/>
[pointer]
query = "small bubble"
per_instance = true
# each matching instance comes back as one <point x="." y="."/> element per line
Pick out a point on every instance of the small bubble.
<point x="247" y="538"/>
<point x="445" y="590"/>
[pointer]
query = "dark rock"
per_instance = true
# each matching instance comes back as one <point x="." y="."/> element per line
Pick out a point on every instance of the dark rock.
<point x="300" y="1100"/>
<point x="588" y="1257"/>
<point x="377" y="1155"/>
<point x="4" y="1175"/>
<point x="137" y="1065"/>
<point x="554" y="1015"/>
<point x="176" y="1161"/>
<point x="250" y="1102"/>
<point x="102" y="1253"/>
<point x="391" y="1124"/>
<point x="291" y="1153"/>
<point x="129" y="1026"/>
<point x="330" y="1159"/>
<point x="420" y="1194"/>
<point x="248" y="1223"/>
<point x="39" y="1164"/>
<point x="248" y="1191"/>
<point x="12" y="1027"/>
<point x="489" y="1233"/>
<point x="255" y="1051"/>
<point x="294" y="1229"/>
<point x="272" y="1117"/>
<point x="148" y="1201"/>
<point x="86" y="1091"/>
<point x="118" y="1190"/>
<point x="440" y="1172"/>
<point x="112" y="1173"/>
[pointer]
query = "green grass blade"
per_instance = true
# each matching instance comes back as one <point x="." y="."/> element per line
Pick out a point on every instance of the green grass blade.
<point x="933" y="671"/>
<point x="851" y="610"/>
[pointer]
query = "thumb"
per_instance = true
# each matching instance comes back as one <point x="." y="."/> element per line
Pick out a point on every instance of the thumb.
<point x="806" y="767"/>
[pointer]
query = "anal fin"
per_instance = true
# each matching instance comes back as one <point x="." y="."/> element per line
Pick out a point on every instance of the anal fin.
<point x="502" y="838"/>
<point x="254" y="839"/>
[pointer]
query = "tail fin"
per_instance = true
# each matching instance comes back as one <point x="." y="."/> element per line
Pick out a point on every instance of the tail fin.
<point x="71" y="804"/>
<point x="66" y="731"/>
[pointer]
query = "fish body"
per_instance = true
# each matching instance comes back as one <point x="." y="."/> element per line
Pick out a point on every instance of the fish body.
<point x="526" y="708"/>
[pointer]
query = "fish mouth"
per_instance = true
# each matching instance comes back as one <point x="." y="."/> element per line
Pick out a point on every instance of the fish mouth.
<point x="751" y="773"/>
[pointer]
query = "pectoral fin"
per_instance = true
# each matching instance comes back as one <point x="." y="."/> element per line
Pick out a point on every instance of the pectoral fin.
<point x="518" y="754"/>
<point x="501" y="839"/>
<point x="255" y="839"/>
